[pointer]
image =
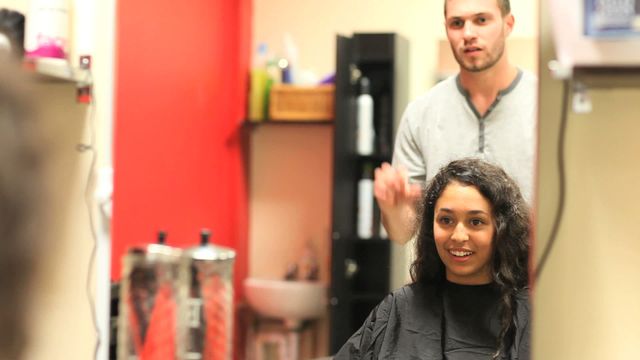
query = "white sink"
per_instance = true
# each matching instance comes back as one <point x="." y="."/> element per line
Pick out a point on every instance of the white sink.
<point x="292" y="301"/>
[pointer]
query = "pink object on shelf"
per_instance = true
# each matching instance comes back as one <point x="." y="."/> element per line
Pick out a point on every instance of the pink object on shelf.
<point x="48" y="48"/>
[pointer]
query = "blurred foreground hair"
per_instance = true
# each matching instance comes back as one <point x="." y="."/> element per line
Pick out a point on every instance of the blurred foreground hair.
<point x="21" y="196"/>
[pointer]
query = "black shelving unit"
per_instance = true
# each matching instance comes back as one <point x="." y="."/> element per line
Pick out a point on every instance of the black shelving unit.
<point x="361" y="268"/>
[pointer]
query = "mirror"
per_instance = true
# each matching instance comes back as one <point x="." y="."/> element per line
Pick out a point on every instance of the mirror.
<point x="291" y="184"/>
<point x="302" y="209"/>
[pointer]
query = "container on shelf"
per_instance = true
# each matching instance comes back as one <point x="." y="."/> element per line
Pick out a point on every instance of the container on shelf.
<point x="301" y="103"/>
<point x="47" y="29"/>
<point x="365" y="134"/>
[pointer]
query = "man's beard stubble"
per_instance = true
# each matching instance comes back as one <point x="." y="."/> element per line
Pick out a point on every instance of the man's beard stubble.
<point x="491" y="61"/>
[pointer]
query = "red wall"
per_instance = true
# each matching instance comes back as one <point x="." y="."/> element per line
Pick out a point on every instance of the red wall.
<point x="180" y="98"/>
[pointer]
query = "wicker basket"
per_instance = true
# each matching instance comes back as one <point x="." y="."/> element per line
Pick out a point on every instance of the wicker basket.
<point x="301" y="103"/>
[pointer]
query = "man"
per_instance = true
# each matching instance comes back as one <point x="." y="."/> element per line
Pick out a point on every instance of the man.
<point x="487" y="111"/>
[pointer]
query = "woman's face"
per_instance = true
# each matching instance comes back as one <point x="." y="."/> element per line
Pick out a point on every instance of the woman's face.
<point x="463" y="228"/>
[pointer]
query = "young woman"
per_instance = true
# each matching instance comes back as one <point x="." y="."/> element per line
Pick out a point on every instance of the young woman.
<point x="469" y="296"/>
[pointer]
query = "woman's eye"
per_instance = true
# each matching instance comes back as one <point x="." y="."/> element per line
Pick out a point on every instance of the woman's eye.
<point x="477" y="222"/>
<point x="445" y="220"/>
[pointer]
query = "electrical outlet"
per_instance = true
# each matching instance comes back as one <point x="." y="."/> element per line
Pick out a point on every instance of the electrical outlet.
<point x="85" y="62"/>
<point x="581" y="100"/>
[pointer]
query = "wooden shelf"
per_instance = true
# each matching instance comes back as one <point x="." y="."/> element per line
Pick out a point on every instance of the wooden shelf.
<point x="287" y="123"/>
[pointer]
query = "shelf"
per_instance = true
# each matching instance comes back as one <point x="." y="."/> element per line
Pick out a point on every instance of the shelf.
<point x="252" y="124"/>
<point x="57" y="70"/>
<point x="607" y="77"/>
<point x="382" y="58"/>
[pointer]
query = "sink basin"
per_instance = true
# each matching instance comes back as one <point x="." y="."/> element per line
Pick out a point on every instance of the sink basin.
<point x="292" y="301"/>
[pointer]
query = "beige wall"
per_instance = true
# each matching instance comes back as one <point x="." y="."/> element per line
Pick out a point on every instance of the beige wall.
<point x="61" y="317"/>
<point x="586" y="303"/>
<point x="290" y="172"/>
<point x="289" y="195"/>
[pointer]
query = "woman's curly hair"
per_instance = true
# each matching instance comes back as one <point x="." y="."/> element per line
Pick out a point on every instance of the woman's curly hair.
<point x="510" y="256"/>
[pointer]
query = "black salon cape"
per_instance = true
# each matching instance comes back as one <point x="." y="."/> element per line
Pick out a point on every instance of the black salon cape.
<point x="455" y="322"/>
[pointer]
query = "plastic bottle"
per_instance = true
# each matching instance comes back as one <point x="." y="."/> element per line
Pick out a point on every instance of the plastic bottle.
<point x="365" y="205"/>
<point x="273" y="78"/>
<point x="291" y="274"/>
<point x="290" y="71"/>
<point x="162" y="237"/>
<point x="309" y="264"/>
<point x="258" y="86"/>
<point x="365" y="133"/>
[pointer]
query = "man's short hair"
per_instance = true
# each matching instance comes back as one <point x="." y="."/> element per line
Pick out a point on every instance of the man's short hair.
<point x="504" y="5"/>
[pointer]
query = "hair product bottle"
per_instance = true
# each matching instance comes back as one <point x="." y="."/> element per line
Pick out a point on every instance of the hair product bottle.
<point x="365" y="133"/>
<point x="365" y="204"/>
<point x="258" y="85"/>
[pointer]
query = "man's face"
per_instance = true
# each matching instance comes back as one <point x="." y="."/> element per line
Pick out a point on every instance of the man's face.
<point x="476" y="31"/>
